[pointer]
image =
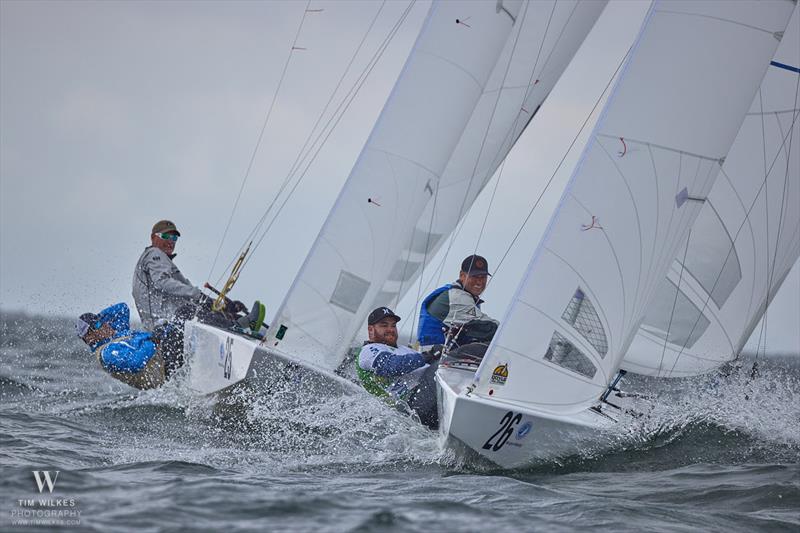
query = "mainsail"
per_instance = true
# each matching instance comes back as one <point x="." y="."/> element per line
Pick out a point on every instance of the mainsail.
<point x="545" y="40"/>
<point x="742" y="245"/>
<point x="467" y="79"/>
<point x="649" y="164"/>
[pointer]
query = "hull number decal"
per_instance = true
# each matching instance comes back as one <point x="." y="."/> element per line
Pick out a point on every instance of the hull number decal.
<point x="226" y="366"/>
<point x="507" y="425"/>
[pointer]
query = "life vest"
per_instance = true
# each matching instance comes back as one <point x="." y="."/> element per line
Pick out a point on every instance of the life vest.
<point x="430" y="329"/>
<point x="388" y="388"/>
<point x="149" y="376"/>
<point x="373" y="383"/>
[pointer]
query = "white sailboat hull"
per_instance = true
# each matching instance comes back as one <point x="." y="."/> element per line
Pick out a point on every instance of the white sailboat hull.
<point x="511" y="436"/>
<point x="217" y="360"/>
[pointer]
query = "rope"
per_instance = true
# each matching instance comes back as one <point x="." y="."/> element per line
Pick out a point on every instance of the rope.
<point x="258" y="141"/>
<point x="302" y="157"/>
<point x="344" y="106"/>
<point x="424" y="262"/>
<point x="516" y="121"/>
<point x="771" y="276"/>
<point x="674" y="301"/>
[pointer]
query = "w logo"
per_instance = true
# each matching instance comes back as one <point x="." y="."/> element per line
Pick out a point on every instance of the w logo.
<point x="51" y="483"/>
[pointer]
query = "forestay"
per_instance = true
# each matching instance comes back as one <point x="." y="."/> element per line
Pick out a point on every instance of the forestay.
<point x="374" y="216"/>
<point x="743" y="243"/>
<point x="658" y="146"/>
<point x="545" y="38"/>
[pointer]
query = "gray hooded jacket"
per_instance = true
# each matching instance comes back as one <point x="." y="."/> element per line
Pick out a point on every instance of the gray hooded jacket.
<point x="159" y="288"/>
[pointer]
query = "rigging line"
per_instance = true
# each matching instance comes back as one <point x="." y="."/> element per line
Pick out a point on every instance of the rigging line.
<point x="439" y="270"/>
<point x="494" y="109"/>
<point x="516" y="121"/>
<point x="674" y="302"/>
<point x="738" y="231"/>
<point x="461" y="213"/>
<point x="561" y="162"/>
<point x="763" y="330"/>
<point x="360" y="84"/>
<point x="260" y="137"/>
<point x="424" y="262"/>
<point x="771" y="276"/>
<point x="489" y="208"/>
<point x="296" y="164"/>
<point x="341" y="109"/>
<point x="303" y="154"/>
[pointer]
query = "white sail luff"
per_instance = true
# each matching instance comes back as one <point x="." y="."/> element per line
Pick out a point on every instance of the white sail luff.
<point x="640" y="183"/>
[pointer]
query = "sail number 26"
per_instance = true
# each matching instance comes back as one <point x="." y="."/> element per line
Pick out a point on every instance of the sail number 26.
<point x="500" y="437"/>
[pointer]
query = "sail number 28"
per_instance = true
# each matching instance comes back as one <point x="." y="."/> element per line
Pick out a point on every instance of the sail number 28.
<point x="507" y="425"/>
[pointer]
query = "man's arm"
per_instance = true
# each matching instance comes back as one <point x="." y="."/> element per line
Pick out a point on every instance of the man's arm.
<point x="389" y="365"/>
<point x="118" y="316"/>
<point x="463" y="309"/>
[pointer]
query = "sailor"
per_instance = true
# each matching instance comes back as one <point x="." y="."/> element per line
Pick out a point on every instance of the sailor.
<point x="454" y="304"/>
<point x="397" y="372"/>
<point x="140" y="359"/>
<point x="163" y="294"/>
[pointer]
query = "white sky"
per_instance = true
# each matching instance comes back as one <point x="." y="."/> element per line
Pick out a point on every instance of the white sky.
<point x="116" y="114"/>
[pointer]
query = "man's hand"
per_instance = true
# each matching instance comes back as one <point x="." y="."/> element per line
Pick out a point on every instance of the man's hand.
<point x="235" y="306"/>
<point x="434" y="353"/>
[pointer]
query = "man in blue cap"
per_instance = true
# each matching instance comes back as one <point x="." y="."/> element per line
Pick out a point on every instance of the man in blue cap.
<point x="454" y="304"/>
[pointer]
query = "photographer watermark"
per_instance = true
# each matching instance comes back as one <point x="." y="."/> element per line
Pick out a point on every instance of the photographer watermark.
<point x="48" y="509"/>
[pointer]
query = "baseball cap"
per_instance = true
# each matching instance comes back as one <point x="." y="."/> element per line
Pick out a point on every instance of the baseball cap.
<point x="165" y="226"/>
<point x="84" y="323"/>
<point x="379" y="314"/>
<point x="475" y="265"/>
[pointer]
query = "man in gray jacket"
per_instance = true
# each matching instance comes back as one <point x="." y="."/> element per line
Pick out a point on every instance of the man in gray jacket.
<point x="159" y="288"/>
<point x="163" y="294"/>
<point x="455" y="304"/>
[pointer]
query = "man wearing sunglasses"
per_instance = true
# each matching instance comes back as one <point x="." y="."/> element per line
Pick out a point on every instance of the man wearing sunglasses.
<point x="163" y="294"/>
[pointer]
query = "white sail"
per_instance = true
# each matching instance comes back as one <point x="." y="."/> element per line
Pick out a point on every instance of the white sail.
<point x="392" y="181"/>
<point x="546" y="37"/>
<point x="742" y="246"/>
<point x="660" y="142"/>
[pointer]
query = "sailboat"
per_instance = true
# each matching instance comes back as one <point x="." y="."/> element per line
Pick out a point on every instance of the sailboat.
<point x="647" y="173"/>
<point x="644" y="179"/>
<point x="476" y="76"/>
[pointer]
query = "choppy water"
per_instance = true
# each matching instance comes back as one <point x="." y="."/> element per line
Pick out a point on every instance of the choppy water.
<point x="706" y="458"/>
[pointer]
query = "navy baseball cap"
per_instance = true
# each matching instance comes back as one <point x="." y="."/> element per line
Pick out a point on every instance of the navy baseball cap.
<point x="379" y="314"/>
<point x="475" y="265"/>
